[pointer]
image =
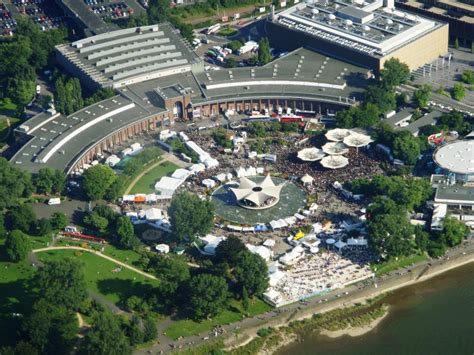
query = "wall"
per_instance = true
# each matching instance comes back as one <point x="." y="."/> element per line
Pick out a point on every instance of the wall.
<point x="423" y="50"/>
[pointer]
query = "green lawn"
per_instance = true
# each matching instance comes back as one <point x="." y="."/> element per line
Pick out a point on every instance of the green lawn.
<point x="7" y="105"/>
<point x="146" y="184"/>
<point x="189" y="327"/>
<point x="391" y="265"/>
<point x="14" y="295"/>
<point x="227" y="31"/>
<point x="115" y="286"/>
<point x="124" y="255"/>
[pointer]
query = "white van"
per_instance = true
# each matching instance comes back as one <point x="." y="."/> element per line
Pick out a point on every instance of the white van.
<point x="54" y="201"/>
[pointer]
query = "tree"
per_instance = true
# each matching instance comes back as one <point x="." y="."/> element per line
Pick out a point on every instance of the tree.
<point x="44" y="180"/>
<point x="456" y="43"/>
<point x="97" y="180"/>
<point x="208" y="296"/>
<point x="150" y="329"/>
<point x="245" y="299"/>
<point x="468" y="76"/>
<point x="264" y="55"/>
<point x="190" y="216"/>
<point x="383" y="99"/>
<point x="174" y="275"/>
<point x="367" y="117"/>
<point x="125" y="233"/>
<point x="406" y="147"/>
<point x="51" y="328"/>
<point x="421" y="96"/>
<point x="97" y="222"/>
<point x="229" y="249"/>
<point x="135" y="331"/>
<point x="43" y="227"/>
<point x="105" y="336"/>
<point x="17" y="246"/>
<point x="62" y="282"/>
<point x="21" y="217"/>
<point x="394" y="73"/>
<point x="230" y="63"/>
<point x="14" y="183"/>
<point x="390" y="235"/>
<point x="454" y="231"/>
<point x="58" y="221"/>
<point x="251" y="273"/>
<point x="422" y="238"/>
<point x="453" y="121"/>
<point x="459" y="92"/>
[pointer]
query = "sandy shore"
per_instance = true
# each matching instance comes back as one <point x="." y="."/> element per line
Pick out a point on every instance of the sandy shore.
<point x="354" y="331"/>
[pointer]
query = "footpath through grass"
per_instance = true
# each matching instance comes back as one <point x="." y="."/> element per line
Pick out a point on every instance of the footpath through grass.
<point x="386" y="267"/>
<point x="105" y="277"/>
<point x="146" y="184"/>
<point x="235" y="313"/>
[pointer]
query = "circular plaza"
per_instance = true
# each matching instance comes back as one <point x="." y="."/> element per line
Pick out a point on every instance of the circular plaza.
<point x="291" y="199"/>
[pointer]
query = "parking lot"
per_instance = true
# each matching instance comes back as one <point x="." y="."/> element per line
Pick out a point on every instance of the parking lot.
<point x="44" y="13"/>
<point x="110" y="10"/>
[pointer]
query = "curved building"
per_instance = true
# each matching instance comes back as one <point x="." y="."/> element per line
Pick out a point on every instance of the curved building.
<point x="457" y="158"/>
<point x="154" y="91"/>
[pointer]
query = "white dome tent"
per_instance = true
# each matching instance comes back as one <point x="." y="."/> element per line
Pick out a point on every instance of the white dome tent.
<point x="334" y="162"/>
<point x="337" y="134"/>
<point x="335" y="148"/>
<point x="357" y="140"/>
<point x="310" y="154"/>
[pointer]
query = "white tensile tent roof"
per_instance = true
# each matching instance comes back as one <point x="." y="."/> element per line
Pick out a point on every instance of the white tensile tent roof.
<point x="334" y="162"/>
<point x="267" y="189"/>
<point x="335" y="148"/>
<point x="337" y="134"/>
<point x="310" y="154"/>
<point x="357" y="140"/>
<point x="340" y="244"/>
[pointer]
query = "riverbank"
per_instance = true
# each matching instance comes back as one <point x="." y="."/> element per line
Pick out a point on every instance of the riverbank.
<point x="353" y="331"/>
<point x="419" y="273"/>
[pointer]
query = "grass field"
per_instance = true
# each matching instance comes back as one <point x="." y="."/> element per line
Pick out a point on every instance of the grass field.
<point x="235" y="313"/>
<point x="14" y="295"/>
<point x="391" y="265"/>
<point x="146" y="184"/>
<point x="115" y="286"/>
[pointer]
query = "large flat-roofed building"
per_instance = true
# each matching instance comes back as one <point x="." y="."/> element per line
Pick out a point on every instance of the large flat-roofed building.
<point x="363" y="32"/>
<point x="458" y="13"/>
<point x="123" y="57"/>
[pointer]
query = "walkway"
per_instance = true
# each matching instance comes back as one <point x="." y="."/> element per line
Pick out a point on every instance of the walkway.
<point x="98" y="253"/>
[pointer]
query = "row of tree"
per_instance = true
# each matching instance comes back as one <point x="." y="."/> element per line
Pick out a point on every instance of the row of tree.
<point x="69" y="97"/>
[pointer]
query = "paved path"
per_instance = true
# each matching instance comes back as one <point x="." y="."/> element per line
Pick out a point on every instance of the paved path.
<point x="98" y="253"/>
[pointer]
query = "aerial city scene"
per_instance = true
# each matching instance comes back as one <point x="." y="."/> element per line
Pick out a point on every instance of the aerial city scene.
<point x="237" y="177"/>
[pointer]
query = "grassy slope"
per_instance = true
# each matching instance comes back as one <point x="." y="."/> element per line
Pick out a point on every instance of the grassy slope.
<point x="146" y="184"/>
<point x="100" y="277"/>
<point x="189" y="327"/>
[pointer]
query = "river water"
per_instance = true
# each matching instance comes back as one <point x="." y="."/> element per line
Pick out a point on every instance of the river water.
<point x="432" y="317"/>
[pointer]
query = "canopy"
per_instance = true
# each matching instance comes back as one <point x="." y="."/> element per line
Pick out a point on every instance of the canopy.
<point x="335" y="148"/>
<point x="340" y="244"/>
<point x="337" y="134"/>
<point x="357" y="140"/>
<point x="307" y="179"/>
<point x="310" y="154"/>
<point x="334" y="162"/>
<point x="330" y="241"/>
